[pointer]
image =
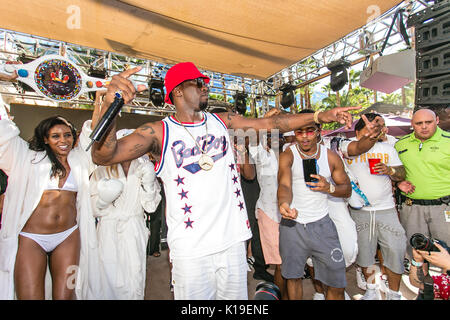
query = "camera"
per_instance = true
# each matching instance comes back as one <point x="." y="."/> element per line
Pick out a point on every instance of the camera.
<point x="267" y="291"/>
<point x="420" y="242"/>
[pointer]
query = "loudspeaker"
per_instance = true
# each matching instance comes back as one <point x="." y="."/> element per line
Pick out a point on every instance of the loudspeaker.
<point x="433" y="91"/>
<point x="391" y="72"/>
<point x="433" y="33"/>
<point x="434" y="62"/>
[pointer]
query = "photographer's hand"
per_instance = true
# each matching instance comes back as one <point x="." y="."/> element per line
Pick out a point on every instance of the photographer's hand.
<point x="440" y="259"/>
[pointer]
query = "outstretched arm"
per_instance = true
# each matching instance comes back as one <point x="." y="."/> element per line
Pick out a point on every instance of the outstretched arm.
<point x="144" y="139"/>
<point x="375" y="130"/>
<point x="288" y="122"/>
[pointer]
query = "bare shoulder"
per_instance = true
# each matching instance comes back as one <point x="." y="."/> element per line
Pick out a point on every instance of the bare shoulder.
<point x="228" y="118"/>
<point x="334" y="159"/>
<point x="151" y="129"/>
<point x="146" y="138"/>
<point x="286" y="158"/>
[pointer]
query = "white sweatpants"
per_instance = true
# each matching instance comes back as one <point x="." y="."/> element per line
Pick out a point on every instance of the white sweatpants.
<point x="219" y="276"/>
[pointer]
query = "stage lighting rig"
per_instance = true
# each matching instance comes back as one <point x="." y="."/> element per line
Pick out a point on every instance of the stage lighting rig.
<point x="339" y="75"/>
<point x="156" y="91"/>
<point x="287" y="98"/>
<point x="240" y="102"/>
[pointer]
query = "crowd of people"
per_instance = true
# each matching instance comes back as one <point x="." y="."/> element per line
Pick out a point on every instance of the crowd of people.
<point x="235" y="192"/>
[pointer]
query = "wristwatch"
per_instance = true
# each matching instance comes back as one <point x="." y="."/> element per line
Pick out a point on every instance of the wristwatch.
<point x="332" y="188"/>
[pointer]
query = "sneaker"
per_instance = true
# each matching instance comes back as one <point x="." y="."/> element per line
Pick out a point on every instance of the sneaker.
<point x="360" y="279"/>
<point x="392" y="295"/>
<point x="407" y="265"/>
<point x="318" y="296"/>
<point x="372" y="294"/>
<point x="250" y="264"/>
<point x="347" y="297"/>
<point x="306" y="274"/>
<point x="163" y="244"/>
<point x="263" y="275"/>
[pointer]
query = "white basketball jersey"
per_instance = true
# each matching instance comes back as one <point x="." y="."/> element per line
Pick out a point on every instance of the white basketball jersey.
<point x="311" y="205"/>
<point x="205" y="210"/>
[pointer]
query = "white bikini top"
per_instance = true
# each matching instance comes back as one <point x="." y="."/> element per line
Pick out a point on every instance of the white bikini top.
<point x="69" y="185"/>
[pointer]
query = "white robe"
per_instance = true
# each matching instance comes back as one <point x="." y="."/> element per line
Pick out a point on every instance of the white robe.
<point x="122" y="233"/>
<point x="29" y="172"/>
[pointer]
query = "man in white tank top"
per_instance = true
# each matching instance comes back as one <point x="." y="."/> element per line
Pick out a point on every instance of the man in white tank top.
<point x="206" y="216"/>
<point x="306" y="229"/>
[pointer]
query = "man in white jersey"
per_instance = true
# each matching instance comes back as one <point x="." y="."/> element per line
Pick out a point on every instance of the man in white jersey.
<point x="378" y="223"/>
<point x="306" y="229"/>
<point x="206" y="216"/>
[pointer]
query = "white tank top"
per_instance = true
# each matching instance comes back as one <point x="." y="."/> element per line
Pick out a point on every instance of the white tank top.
<point x="311" y="205"/>
<point x="205" y="210"/>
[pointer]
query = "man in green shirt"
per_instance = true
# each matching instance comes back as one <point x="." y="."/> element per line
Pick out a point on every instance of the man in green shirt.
<point x="425" y="154"/>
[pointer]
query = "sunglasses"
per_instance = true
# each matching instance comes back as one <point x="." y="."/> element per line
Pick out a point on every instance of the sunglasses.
<point x="200" y="82"/>
<point x="308" y="132"/>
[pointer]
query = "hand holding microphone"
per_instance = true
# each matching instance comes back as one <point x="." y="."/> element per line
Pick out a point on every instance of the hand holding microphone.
<point x="120" y="91"/>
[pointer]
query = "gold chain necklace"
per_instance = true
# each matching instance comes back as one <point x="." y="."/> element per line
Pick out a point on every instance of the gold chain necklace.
<point x="205" y="162"/>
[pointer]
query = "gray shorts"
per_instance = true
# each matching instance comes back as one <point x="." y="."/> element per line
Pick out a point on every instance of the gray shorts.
<point x="380" y="227"/>
<point x="318" y="240"/>
<point x="428" y="220"/>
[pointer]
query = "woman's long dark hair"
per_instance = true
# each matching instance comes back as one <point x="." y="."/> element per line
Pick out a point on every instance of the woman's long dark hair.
<point x="37" y="142"/>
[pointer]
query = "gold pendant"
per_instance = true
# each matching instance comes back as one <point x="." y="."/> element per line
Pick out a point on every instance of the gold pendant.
<point x="205" y="162"/>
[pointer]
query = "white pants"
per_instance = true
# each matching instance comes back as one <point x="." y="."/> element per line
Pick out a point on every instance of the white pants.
<point x="346" y="229"/>
<point x="219" y="276"/>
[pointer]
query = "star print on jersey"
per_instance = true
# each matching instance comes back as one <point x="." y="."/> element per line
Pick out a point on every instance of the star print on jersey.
<point x="241" y="205"/>
<point x="189" y="223"/>
<point x="183" y="194"/>
<point x="238" y="193"/>
<point x="235" y="179"/>
<point x="186" y="208"/>
<point x="231" y="166"/>
<point x="179" y="180"/>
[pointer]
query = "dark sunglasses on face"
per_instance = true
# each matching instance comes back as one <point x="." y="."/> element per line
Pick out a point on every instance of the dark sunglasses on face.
<point x="200" y="82"/>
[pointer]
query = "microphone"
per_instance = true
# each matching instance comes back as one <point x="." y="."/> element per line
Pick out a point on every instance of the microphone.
<point x="106" y="120"/>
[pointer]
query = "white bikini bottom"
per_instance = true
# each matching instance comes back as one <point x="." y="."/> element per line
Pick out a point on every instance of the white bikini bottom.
<point x="49" y="242"/>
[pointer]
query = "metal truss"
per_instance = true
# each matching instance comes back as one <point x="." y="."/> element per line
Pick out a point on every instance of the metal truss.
<point x="355" y="48"/>
<point x="15" y="45"/>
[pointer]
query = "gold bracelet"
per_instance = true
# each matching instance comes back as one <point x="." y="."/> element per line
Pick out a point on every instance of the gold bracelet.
<point x="316" y="116"/>
<point x="392" y="170"/>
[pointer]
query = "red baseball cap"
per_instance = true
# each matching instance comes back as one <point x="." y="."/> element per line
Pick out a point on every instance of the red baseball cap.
<point x="178" y="73"/>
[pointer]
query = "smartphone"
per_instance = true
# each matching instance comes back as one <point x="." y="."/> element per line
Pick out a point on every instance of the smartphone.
<point x="309" y="168"/>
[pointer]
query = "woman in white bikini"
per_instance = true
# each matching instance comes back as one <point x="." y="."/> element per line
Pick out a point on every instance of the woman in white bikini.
<point x="47" y="220"/>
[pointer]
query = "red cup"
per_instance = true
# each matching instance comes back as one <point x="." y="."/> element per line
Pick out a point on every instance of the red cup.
<point x="372" y="163"/>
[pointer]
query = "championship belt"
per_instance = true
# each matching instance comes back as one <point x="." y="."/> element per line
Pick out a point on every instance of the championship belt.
<point x="55" y="77"/>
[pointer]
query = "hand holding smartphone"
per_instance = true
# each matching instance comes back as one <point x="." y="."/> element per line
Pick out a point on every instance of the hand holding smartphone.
<point x="309" y="168"/>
